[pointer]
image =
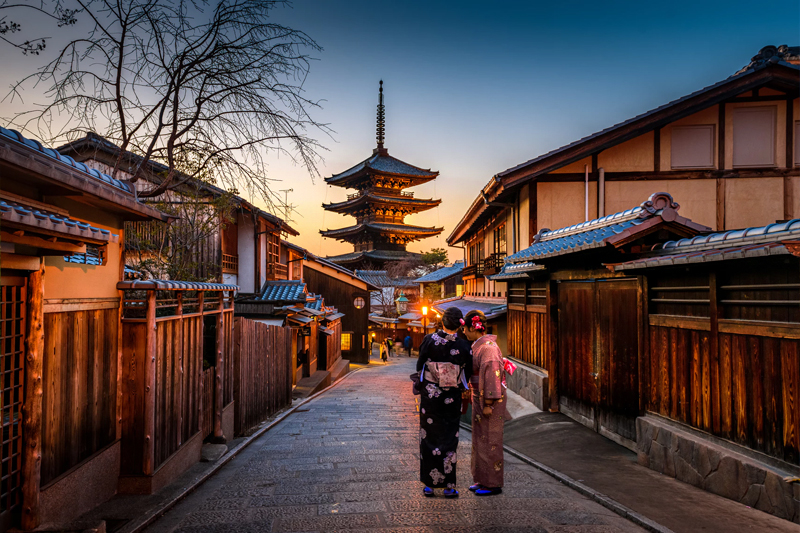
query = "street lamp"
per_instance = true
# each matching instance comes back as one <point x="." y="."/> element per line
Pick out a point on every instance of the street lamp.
<point x="424" y="319"/>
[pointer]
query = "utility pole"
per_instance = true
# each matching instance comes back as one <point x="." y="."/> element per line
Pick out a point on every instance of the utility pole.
<point x="286" y="206"/>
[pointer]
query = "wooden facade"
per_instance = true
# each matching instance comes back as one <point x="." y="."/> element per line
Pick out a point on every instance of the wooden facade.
<point x="169" y="344"/>
<point x="262" y="372"/>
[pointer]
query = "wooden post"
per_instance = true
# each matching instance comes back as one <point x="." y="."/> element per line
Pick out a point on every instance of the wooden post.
<point x="219" y="371"/>
<point x="721" y="166"/>
<point x="552" y="343"/>
<point x="32" y="422"/>
<point x="712" y="416"/>
<point x="148" y="462"/>
<point x="788" y="192"/>
<point x="201" y="380"/>
<point x="178" y="340"/>
<point x="644" y="348"/>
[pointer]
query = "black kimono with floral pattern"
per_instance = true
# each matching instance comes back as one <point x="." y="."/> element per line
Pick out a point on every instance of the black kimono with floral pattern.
<point x="440" y="410"/>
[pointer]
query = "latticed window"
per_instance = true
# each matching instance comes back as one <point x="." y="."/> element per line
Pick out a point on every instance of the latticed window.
<point x="95" y="255"/>
<point x="500" y="239"/>
<point x="347" y="341"/>
<point x="273" y="248"/>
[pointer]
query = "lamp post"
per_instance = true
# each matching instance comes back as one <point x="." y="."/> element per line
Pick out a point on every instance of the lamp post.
<point x="424" y="319"/>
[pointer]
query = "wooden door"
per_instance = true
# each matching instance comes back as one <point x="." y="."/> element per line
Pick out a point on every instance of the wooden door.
<point x="617" y="356"/>
<point x="12" y="357"/>
<point x="576" y="364"/>
<point x="598" y="350"/>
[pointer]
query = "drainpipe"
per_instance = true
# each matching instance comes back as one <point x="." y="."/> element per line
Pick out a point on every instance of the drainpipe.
<point x="586" y="193"/>
<point x="601" y="193"/>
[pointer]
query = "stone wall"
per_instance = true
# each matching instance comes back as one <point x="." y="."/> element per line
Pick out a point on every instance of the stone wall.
<point x="530" y="383"/>
<point x="695" y="458"/>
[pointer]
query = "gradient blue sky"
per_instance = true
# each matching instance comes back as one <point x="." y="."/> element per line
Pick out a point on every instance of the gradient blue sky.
<point x="473" y="88"/>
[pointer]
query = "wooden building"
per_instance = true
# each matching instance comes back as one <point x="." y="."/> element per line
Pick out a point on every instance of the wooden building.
<point x="664" y="338"/>
<point x="241" y="248"/>
<point x="380" y="206"/>
<point x="734" y="146"/>
<point x="448" y="278"/>
<point x="61" y="259"/>
<point x="345" y="291"/>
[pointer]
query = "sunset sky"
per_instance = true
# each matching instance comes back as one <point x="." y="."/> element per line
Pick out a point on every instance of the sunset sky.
<point x="472" y="88"/>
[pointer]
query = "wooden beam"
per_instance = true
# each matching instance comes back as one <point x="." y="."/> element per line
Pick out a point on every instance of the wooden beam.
<point x="219" y="376"/>
<point x="32" y="406"/>
<point x="768" y="98"/>
<point x="20" y="262"/>
<point x="656" y="150"/>
<point x="788" y="189"/>
<point x="148" y="464"/>
<point x="720" y="209"/>
<point x="712" y="416"/>
<point x="551" y="349"/>
<point x="710" y="174"/>
<point x="720" y="204"/>
<point x="45" y="244"/>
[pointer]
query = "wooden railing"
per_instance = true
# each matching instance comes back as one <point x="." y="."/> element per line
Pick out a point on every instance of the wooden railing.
<point x="230" y="264"/>
<point x="475" y="270"/>
<point x="277" y="271"/>
<point x="493" y="263"/>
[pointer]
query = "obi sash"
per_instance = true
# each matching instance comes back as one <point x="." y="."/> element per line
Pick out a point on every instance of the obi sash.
<point x="443" y="374"/>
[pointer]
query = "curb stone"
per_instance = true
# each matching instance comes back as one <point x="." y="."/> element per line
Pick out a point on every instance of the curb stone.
<point x="602" y="499"/>
<point x="150" y="516"/>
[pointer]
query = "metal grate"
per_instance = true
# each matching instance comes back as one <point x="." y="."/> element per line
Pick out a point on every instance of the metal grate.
<point x="12" y="356"/>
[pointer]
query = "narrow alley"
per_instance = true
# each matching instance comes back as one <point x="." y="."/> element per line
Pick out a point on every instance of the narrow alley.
<point x="347" y="461"/>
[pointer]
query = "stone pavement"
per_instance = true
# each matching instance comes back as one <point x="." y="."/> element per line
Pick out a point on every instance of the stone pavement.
<point x="347" y="461"/>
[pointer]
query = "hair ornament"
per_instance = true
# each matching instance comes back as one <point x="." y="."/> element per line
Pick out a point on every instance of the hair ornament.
<point x="476" y="322"/>
<point x="462" y="321"/>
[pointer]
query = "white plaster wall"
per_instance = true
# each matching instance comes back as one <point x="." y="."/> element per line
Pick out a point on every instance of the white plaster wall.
<point x="247" y="256"/>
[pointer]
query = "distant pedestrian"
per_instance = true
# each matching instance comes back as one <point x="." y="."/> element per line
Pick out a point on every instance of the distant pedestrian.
<point x="389" y="343"/>
<point x="488" y="406"/>
<point x="445" y="366"/>
<point x="384" y="353"/>
<point x="407" y="344"/>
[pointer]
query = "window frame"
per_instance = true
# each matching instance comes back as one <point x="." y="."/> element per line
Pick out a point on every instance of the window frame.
<point x="696" y="127"/>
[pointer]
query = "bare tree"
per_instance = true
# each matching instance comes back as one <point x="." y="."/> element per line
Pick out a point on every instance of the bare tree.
<point x="205" y="87"/>
<point x="11" y="27"/>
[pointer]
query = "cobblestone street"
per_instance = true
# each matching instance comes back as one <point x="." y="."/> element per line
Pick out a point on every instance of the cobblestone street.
<point x="347" y="461"/>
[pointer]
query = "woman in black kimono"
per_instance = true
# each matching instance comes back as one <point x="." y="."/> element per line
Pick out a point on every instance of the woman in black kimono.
<point x="445" y="366"/>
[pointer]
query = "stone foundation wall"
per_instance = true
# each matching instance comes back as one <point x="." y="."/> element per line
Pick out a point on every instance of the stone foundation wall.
<point x="532" y="384"/>
<point x="693" y="457"/>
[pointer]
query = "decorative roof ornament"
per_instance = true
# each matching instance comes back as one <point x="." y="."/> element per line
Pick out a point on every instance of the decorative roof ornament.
<point x="772" y="55"/>
<point x="380" y="129"/>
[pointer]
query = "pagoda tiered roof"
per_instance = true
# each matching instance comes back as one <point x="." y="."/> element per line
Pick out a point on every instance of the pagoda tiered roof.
<point x="382" y="164"/>
<point x="381" y="228"/>
<point x="376" y="197"/>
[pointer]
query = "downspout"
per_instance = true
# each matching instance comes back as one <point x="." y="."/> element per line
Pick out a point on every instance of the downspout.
<point x="586" y="193"/>
<point x="601" y="193"/>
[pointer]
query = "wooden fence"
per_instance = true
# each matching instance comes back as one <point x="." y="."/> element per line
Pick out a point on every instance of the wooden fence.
<point x="528" y="337"/>
<point x="262" y="372"/>
<point x="80" y="377"/>
<point x="167" y="397"/>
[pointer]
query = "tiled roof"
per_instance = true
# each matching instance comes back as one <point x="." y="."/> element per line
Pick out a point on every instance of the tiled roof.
<point x="442" y="274"/>
<point x="283" y="291"/>
<point x="380" y="227"/>
<point x="602" y="231"/>
<point x="383" y="320"/>
<point x="376" y="255"/>
<point x="490" y="309"/>
<point x="382" y="162"/>
<point x="380" y="278"/>
<point x="323" y="261"/>
<point x="16" y="213"/>
<point x="49" y="152"/>
<point x="746" y="243"/>
<point x="516" y="271"/>
<point x="170" y="285"/>
<point x="372" y="197"/>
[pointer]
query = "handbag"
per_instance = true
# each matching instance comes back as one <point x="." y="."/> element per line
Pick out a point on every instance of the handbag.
<point x="415" y="383"/>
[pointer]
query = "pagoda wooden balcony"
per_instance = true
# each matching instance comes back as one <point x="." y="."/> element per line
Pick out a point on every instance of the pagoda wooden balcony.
<point x="494" y="263"/>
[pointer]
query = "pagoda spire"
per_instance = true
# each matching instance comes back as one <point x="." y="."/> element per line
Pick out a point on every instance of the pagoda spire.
<point x="381" y="118"/>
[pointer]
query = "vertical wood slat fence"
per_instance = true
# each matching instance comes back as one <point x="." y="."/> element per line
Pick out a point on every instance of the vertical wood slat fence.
<point x="167" y="396"/>
<point x="262" y="372"/>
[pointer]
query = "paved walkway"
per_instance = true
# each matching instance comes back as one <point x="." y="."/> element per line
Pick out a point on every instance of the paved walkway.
<point x="347" y="461"/>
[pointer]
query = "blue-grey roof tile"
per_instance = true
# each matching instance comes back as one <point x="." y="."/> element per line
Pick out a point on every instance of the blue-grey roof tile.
<point x="284" y="291"/>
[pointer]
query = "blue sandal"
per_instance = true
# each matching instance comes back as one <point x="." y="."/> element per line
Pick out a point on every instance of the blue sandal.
<point x="428" y="492"/>
<point x="485" y="491"/>
<point x="475" y="487"/>
<point x="450" y="493"/>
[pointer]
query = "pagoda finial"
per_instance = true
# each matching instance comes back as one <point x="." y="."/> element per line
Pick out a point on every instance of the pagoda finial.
<point x="381" y="117"/>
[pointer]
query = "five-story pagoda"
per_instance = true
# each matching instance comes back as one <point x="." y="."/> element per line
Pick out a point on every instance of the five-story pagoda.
<point x="380" y="206"/>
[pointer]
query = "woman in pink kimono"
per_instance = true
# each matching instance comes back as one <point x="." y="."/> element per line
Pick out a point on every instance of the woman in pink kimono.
<point x="488" y="407"/>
